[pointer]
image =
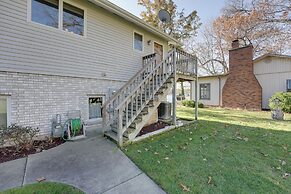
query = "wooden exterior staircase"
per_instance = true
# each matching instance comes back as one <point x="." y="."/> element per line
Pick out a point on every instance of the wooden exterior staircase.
<point x="131" y="107"/>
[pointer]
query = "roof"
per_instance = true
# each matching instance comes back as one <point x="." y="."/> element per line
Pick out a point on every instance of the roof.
<point x="105" y="4"/>
<point x="271" y="55"/>
<point x="255" y="60"/>
<point x="218" y="75"/>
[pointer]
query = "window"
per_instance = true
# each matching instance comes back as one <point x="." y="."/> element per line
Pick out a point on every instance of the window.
<point x="45" y="12"/>
<point x="138" y="42"/>
<point x="288" y="85"/>
<point x="205" y="91"/>
<point x="73" y="19"/>
<point x="95" y="107"/>
<point x="4" y="113"/>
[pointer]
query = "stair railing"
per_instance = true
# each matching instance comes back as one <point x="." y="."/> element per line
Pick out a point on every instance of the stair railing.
<point x="127" y="104"/>
<point x="131" y="107"/>
<point x="108" y="113"/>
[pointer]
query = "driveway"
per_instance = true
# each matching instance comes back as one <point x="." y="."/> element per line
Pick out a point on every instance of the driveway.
<point x="94" y="165"/>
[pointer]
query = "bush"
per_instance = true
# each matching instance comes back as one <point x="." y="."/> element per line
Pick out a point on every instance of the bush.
<point x="285" y="101"/>
<point x="191" y="103"/>
<point x="22" y="137"/>
<point x="200" y="105"/>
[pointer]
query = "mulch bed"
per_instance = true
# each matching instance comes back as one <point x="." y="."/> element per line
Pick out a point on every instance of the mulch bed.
<point x="10" y="153"/>
<point x="152" y="128"/>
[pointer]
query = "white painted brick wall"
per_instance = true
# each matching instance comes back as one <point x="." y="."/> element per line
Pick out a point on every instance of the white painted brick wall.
<point x="36" y="99"/>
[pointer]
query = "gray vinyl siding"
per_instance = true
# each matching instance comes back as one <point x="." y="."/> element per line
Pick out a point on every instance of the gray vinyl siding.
<point x="107" y="47"/>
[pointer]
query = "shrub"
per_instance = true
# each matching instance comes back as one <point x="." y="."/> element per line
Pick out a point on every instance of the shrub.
<point x="200" y="105"/>
<point x="22" y="137"/>
<point x="191" y="103"/>
<point x="284" y="101"/>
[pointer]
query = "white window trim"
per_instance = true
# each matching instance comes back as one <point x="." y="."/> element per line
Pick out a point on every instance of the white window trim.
<point x="161" y="45"/>
<point x="95" y="96"/>
<point x="137" y="32"/>
<point x="8" y="111"/>
<point x="8" y="107"/>
<point x="60" y="27"/>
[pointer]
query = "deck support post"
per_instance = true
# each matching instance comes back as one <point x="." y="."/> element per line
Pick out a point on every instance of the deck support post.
<point x="174" y="90"/>
<point x="196" y="90"/>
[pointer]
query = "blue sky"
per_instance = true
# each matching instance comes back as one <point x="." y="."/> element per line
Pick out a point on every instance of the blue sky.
<point x="207" y="9"/>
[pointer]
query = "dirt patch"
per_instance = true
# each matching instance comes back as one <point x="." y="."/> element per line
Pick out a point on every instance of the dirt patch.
<point x="10" y="153"/>
<point x="152" y="128"/>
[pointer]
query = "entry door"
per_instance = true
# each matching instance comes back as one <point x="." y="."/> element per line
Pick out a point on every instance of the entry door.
<point x="159" y="50"/>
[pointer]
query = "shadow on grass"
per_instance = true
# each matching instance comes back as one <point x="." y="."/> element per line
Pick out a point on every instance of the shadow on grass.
<point x="217" y="157"/>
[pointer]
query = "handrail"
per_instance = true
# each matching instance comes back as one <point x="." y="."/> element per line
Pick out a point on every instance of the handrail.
<point x="130" y="81"/>
<point x="145" y="79"/>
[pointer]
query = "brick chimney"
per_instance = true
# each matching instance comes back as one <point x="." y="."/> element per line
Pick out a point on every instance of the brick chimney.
<point x="241" y="89"/>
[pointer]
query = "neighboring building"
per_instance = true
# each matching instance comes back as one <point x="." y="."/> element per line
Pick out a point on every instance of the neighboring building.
<point x="64" y="55"/>
<point x="249" y="83"/>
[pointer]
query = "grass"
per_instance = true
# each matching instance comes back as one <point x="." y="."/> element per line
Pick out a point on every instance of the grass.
<point x="227" y="151"/>
<point x="44" y="188"/>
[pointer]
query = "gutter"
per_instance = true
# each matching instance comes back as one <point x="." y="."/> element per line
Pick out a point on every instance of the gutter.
<point x="133" y="19"/>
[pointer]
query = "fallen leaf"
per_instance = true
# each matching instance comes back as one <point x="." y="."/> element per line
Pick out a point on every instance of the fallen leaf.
<point x="209" y="180"/>
<point x="286" y="175"/>
<point x="184" y="187"/>
<point x="264" y="154"/>
<point x="41" y="179"/>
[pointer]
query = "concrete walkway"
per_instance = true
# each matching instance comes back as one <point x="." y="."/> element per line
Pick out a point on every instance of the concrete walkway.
<point x="93" y="165"/>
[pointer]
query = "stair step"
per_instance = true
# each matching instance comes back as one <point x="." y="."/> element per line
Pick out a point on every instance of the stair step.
<point x="111" y="135"/>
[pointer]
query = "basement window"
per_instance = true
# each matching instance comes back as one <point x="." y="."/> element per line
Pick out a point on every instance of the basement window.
<point x="95" y="107"/>
<point x="205" y="91"/>
<point x="45" y="12"/>
<point x="4" y="111"/>
<point x="289" y="85"/>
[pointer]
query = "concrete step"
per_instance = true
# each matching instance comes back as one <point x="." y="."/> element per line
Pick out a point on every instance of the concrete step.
<point x="112" y="135"/>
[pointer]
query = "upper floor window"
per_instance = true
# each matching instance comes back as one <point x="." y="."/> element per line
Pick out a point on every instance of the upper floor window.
<point x="205" y="91"/>
<point x="73" y="19"/>
<point x="289" y="85"/>
<point x="49" y="12"/>
<point x="138" y="41"/>
<point x="45" y="12"/>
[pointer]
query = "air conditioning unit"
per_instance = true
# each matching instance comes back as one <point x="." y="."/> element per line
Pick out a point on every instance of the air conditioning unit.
<point x="165" y="110"/>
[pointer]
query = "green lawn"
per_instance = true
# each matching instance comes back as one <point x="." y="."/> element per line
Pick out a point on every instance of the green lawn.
<point x="44" y="188"/>
<point x="227" y="151"/>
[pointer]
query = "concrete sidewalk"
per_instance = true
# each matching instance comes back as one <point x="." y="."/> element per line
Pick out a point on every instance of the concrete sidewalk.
<point x="93" y="165"/>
